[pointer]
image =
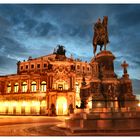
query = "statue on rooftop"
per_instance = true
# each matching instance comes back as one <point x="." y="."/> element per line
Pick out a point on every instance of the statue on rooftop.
<point x="60" y="50"/>
<point x="100" y="34"/>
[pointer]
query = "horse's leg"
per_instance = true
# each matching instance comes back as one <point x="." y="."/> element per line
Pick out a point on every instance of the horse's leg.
<point x="105" y="45"/>
<point x="101" y="47"/>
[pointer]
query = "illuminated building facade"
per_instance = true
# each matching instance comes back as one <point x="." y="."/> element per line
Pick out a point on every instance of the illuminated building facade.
<point x="52" y="85"/>
<point x="48" y="85"/>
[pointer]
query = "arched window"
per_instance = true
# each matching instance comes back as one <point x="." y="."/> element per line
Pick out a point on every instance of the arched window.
<point x="43" y="86"/>
<point x="9" y="88"/>
<point x="60" y="85"/>
<point x="16" y="87"/>
<point x="24" y="87"/>
<point x="33" y="86"/>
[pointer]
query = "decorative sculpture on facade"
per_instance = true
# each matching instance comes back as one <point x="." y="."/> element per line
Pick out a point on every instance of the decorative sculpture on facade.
<point x="60" y="50"/>
<point x="100" y="34"/>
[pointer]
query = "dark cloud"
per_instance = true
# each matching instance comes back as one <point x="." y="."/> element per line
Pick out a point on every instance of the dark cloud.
<point x="37" y="28"/>
<point x="14" y="13"/>
<point x="43" y="29"/>
<point x="133" y="13"/>
<point x="29" y="25"/>
<point x="11" y="47"/>
<point x="5" y="61"/>
<point x="6" y="64"/>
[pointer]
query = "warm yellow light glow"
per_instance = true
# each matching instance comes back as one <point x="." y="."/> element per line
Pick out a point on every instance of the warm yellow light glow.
<point x="33" y="86"/>
<point x="90" y="104"/>
<point x="16" y="87"/>
<point x="6" y="104"/>
<point x="77" y="88"/>
<point x="43" y="103"/>
<point x="66" y="87"/>
<point x="14" y="103"/>
<point x="139" y="104"/>
<point x="3" y="107"/>
<point x="24" y="87"/>
<point x="18" y="108"/>
<point x="78" y="102"/>
<point x="21" y="107"/>
<point x="9" y="88"/>
<point x="77" y="99"/>
<point x="61" y="106"/>
<point x="99" y="104"/>
<point x="10" y="108"/>
<point x="24" y="103"/>
<point x="35" y="103"/>
<point x="43" y="86"/>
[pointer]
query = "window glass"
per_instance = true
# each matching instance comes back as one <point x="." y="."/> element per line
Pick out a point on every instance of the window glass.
<point x="43" y="86"/>
<point x="32" y="66"/>
<point x="16" y="87"/>
<point x="9" y="88"/>
<point x="26" y="66"/>
<point x="33" y="86"/>
<point x="24" y="87"/>
<point x="38" y="65"/>
<point x="45" y="65"/>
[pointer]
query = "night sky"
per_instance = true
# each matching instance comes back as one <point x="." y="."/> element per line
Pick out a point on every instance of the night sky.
<point x="35" y="30"/>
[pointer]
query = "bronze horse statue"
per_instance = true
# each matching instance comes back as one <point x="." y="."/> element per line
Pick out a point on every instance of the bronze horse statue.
<point x="100" y="34"/>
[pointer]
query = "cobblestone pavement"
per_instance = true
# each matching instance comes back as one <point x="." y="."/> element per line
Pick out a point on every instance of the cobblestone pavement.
<point x="46" y="126"/>
<point x="53" y="130"/>
<point x="29" y="125"/>
<point x="46" y="130"/>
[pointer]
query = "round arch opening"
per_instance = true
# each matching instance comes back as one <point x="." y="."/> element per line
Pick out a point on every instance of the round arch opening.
<point x="61" y="106"/>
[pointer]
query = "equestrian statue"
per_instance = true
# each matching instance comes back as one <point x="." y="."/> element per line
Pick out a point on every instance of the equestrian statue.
<point x="100" y="34"/>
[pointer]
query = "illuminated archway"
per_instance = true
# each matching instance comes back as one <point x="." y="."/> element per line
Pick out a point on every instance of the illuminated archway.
<point x="61" y="106"/>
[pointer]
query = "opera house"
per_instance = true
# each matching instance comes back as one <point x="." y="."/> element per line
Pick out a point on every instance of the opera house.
<point x="47" y="85"/>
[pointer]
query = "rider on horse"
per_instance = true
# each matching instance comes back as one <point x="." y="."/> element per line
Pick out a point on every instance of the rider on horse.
<point x="100" y="34"/>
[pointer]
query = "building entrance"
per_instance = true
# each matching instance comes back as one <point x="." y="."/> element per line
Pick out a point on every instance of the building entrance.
<point x="61" y="106"/>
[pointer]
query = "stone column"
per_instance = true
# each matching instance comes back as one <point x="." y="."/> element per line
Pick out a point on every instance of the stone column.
<point x="51" y="81"/>
<point x="38" y="85"/>
<point x="20" y="86"/>
<point x="70" y="82"/>
<point x="48" y="82"/>
<point x="12" y="87"/>
<point x="29" y="85"/>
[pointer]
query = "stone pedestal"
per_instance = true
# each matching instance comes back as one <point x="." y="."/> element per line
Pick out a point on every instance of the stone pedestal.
<point x="108" y="121"/>
<point x="126" y="96"/>
<point x="106" y="82"/>
<point x="106" y="66"/>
